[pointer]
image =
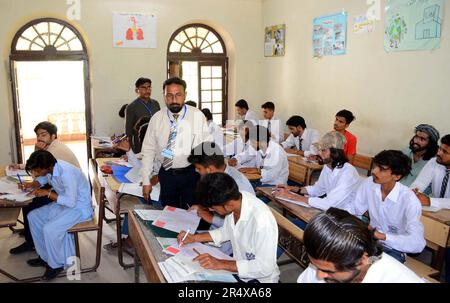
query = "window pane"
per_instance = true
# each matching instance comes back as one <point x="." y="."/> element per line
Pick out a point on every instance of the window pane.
<point x="217" y="84"/>
<point x="217" y="107"/>
<point x="22" y="44"/>
<point x="55" y="28"/>
<point x="191" y="32"/>
<point x="207" y="50"/>
<point x="217" y="71"/>
<point x="36" y="47"/>
<point x="184" y="49"/>
<point x="206" y="84"/>
<point x="53" y="37"/>
<point x="206" y="96"/>
<point x="67" y="34"/>
<point x="206" y="105"/>
<point x="63" y="47"/>
<point x="75" y="45"/>
<point x="29" y="33"/>
<point x="217" y="48"/>
<point x="211" y="38"/>
<point x="217" y="119"/>
<point x="202" y="32"/>
<point x="217" y="95"/>
<point x="199" y="42"/>
<point x="206" y="72"/>
<point x="175" y="47"/>
<point x="42" y="27"/>
<point x="181" y="37"/>
<point x="190" y="75"/>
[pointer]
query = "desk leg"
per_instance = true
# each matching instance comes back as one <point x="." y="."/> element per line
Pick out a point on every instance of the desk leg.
<point x="438" y="258"/>
<point x="136" y="267"/>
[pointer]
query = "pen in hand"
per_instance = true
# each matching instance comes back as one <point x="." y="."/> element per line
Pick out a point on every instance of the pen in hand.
<point x="184" y="238"/>
<point x="21" y="183"/>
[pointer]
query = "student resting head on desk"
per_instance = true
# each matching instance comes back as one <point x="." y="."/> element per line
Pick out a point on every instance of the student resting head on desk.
<point x="342" y="249"/>
<point x="249" y="225"/>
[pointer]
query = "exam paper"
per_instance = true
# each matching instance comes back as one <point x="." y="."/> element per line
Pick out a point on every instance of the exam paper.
<point x="148" y="214"/>
<point x="293" y="202"/>
<point x="13" y="172"/>
<point x="135" y="189"/>
<point x="9" y="187"/>
<point x="177" y="219"/>
<point x="22" y="197"/>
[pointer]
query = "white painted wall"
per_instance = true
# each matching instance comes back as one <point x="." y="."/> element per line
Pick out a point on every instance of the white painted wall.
<point x="388" y="93"/>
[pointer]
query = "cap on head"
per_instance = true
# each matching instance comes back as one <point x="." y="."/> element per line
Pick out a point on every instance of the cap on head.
<point x="430" y="130"/>
<point x="331" y="140"/>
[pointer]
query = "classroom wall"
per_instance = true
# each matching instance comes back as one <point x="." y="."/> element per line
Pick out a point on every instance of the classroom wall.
<point x="114" y="71"/>
<point x="388" y="93"/>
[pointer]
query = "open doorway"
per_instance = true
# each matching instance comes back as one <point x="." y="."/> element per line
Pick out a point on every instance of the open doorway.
<point x="49" y="72"/>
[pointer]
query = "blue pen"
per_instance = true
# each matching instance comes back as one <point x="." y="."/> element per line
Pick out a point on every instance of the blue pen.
<point x="21" y="183"/>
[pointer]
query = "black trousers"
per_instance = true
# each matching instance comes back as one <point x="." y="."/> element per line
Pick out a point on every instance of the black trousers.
<point x="178" y="186"/>
<point x="35" y="203"/>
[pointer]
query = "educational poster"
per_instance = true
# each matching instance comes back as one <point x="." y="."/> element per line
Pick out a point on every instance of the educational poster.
<point x="330" y="35"/>
<point x="134" y="30"/>
<point x="274" y="41"/>
<point x="413" y="25"/>
<point x="363" y="25"/>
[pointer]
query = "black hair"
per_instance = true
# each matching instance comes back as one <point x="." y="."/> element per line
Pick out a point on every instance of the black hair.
<point x="347" y="115"/>
<point x="268" y="105"/>
<point x="259" y="133"/>
<point x="338" y="158"/>
<point x="338" y="237"/>
<point x="246" y="124"/>
<point x="296" y="121"/>
<point x="191" y="103"/>
<point x="207" y="114"/>
<point x="142" y="81"/>
<point x="242" y="104"/>
<point x="206" y="154"/>
<point x="123" y="110"/>
<point x="398" y="162"/>
<point x="175" y="80"/>
<point x="217" y="189"/>
<point x="40" y="159"/>
<point x="48" y="126"/>
<point x="446" y="140"/>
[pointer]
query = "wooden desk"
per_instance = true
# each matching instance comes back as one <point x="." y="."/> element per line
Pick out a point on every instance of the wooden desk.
<point x="301" y="171"/>
<point x="147" y="248"/>
<point x="436" y="225"/>
<point x="99" y="151"/>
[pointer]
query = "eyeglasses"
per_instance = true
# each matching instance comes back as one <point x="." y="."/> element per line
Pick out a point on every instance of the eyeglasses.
<point x="174" y="96"/>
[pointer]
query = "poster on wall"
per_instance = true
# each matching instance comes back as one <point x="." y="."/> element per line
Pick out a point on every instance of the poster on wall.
<point x="134" y="30"/>
<point x="330" y="35"/>
<point x="413" y="25"/>
<point x="274" y="41"/>
<point x="363" y="25"/>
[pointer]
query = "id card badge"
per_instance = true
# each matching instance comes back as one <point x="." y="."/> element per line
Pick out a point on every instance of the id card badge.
<point x="167" y="153"/>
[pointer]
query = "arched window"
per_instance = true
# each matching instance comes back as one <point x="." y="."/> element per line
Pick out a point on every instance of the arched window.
<point x="197" y="54"/>
<point x="49" y="57"/>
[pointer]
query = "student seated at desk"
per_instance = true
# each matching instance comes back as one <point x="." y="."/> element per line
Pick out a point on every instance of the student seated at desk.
<point x="437" y="174"/>
<point x="343" y="250"/>
<point x="249" y="225"/>
<point x="301" y="139"/>
<point x="244" y="113"/>
<point x="341" y="123"/>
<point x="47" y="139"/>
<point x="208" y="159"/>
<point x="244" y="155"/>
<point x="272" y="123"/>
<point x="393" y="208"/>
<point x="71" y="204"/>
<point x="214" y="129"/>
<point x="337" y="182"/>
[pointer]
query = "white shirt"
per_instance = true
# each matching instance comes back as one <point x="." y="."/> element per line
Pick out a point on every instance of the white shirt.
<point x="217" y="134"/>
<point x="192" y="130"/>
<point x="274" y="164"/>
<point x="251" y="116"/>
<point x="309" y="137"/>
<point x="339" y="185"/>
<point x="247" y="156"/>
<point x="398" y="216"/>
<point x="254" y="239"/>
<point x="276" y="128"/>
<point x="385" y="270"/>
<point x="241" y="181"/>
<point x="233" y="148"/>
<point x="433" y="173"/>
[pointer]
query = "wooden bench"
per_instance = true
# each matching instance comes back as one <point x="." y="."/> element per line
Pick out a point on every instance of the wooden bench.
<point x="422" y="270"/>
<point x="363" y="162"/>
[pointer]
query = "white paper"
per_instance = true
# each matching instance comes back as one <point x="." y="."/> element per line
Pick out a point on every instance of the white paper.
<point x="177" y="219"/>
<point x="173" y="276"/>
<point x="134" y="175"/>
<point x="430" y="208"/>
<point x="134" y="30"/>
<point x="22" y="197"/>
<point x="13" y="172"/>
<point x="122" y="162"/>
<point x="135" y="189"/>
<point x="294" y="202"/>
<point x="166" y="242"/>
<point x="9" y="187"/>
<point x="148" y="214"/>
<point x="291" y="155"/>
